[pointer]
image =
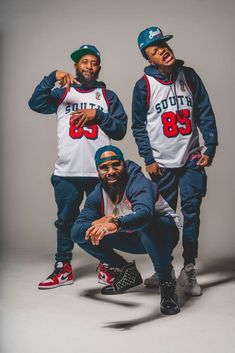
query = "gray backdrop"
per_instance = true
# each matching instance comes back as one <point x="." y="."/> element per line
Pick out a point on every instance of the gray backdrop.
<point x="38" y="37"/>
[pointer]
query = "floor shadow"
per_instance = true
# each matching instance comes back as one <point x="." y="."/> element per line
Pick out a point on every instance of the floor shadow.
<point x="129" y="324"/>
<point x="94" y="294"/>
<point x="225" y="267"/>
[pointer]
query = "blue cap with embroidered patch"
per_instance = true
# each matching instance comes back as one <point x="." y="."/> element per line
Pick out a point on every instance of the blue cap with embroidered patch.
<point x="150" y="36"/>
<point x="117" y="154"/>
<point x="84" y="50"/>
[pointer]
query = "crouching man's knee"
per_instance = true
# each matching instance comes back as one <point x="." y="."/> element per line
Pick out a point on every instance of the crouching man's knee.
<point x="78" y="234"/>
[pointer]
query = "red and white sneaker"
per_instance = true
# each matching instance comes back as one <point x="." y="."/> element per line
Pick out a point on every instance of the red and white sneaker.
<point x="61" y="276"/>
<point x="106" y="274"/>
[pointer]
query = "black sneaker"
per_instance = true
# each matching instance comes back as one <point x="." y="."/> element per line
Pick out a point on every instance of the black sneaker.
<point x="127" y="278"/>
<point x="169" y="301"/>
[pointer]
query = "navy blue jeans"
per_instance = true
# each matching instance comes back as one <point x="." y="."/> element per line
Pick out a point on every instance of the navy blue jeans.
<point x="158" y="240"/>
<point x="191" y="181"/>
<point x="69" y="193"/>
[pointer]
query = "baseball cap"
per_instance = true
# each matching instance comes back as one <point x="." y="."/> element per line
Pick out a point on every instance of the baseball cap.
<point x="151" y="35"/>
<point x="117" y="154"/>
<point x="84" y="50"/>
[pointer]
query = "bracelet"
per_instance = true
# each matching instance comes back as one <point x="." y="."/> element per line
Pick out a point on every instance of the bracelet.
<point x="115" y="221"/>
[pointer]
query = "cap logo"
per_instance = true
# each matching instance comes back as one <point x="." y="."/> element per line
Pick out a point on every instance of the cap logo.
<point x="156" y="33"/>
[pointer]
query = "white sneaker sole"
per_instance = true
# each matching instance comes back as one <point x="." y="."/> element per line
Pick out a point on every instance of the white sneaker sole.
<point x="56" y="285"/>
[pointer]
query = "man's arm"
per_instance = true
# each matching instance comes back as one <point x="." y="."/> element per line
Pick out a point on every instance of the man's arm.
<point x="139" y="122"/>
<point x="142" y="197"/>
<point x="113" y="123"/>
<point x="205" y="119"/>
<point x="44" y="98"/>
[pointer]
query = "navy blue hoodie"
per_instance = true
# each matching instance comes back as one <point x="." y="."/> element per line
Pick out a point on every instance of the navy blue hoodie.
<point x="141" y="192"/>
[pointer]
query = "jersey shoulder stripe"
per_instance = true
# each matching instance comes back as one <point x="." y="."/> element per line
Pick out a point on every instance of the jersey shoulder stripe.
<point x="147" y="89"/>
<point x="105" y="97"/>
<point x="188" y="77"/>
<point x="66" y="90"/>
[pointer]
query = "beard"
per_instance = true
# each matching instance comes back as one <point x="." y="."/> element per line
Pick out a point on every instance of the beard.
<point x="87" y="82"/>
<point x="116" y="190"/>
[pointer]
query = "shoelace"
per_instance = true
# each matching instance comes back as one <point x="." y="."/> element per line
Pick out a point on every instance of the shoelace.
<point x="125" y="276"/>
<point x="114" y="271"/>
<point x="168" y="289"/>
<point x="191" y="275"/>
<point x="55" y="272"/>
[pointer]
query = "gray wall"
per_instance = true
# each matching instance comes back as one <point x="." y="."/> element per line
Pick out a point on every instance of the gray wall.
<point x="38" y="36"/>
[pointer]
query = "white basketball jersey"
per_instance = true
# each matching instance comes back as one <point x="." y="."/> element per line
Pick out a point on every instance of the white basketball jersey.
<point x="122" y="209"/>
<point x="171" y="129"/>
<point x="77" y="146"/>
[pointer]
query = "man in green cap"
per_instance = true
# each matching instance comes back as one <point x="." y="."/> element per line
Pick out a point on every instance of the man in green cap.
<point x="170" y="106"/>
<point x="88" y="117"/>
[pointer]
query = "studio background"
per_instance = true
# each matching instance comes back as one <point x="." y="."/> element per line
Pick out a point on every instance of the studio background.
<point x="38" y="37"/>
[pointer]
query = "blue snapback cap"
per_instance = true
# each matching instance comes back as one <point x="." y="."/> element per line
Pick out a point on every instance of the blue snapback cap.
<point x="118" y="155"/>
<point x="151" y="35"/>
<point x="84" y="50"/>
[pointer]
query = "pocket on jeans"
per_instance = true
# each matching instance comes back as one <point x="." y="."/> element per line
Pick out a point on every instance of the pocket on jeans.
<point x="201" y="181"/>
<point x="55" y="179"/>
<point x="155" y="177"/>
<point x="204" y="182"/>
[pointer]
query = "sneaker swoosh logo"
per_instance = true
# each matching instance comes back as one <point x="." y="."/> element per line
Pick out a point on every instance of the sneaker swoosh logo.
<point x="103" y="276"/>
<point x="63" y="277"/>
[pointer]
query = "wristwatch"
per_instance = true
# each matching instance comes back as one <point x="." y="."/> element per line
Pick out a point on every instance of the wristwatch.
<point x="116" y="221"/>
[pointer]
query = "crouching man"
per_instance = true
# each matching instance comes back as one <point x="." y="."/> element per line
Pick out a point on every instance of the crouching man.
<point x="127" y="213"/>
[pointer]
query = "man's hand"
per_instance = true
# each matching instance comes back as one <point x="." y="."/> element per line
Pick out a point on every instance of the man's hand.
<point x="98" y="231"/>
<point x="65" y="79"/>
<point x="153" y="169"/>
<point x="82" y="116"/>
<point x="102" y="220"/>
<point x="204" y="161"/>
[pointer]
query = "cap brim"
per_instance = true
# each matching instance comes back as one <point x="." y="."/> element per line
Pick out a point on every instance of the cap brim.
<point x="76" y="55"/>
<point x="166" y="38"/>
<point x="157" y="39"/>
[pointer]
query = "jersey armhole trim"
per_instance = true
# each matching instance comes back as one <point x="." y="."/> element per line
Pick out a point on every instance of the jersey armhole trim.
<point x="63" y="97"/>
<point x="148" y="90"/>
<point x="188" y="79"/>
<point x="105" y="97"/>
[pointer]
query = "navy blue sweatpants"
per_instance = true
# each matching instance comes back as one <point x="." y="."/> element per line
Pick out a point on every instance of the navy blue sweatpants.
<point x="158" y="239"/>
<point x="69" y="193"/>
<point x="191" y="181"/>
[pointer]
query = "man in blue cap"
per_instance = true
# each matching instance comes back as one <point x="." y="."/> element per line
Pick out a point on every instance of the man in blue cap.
<point x="170" y="104"/>
<point x="126" y="212"/>
<point x="88" y="116"/>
